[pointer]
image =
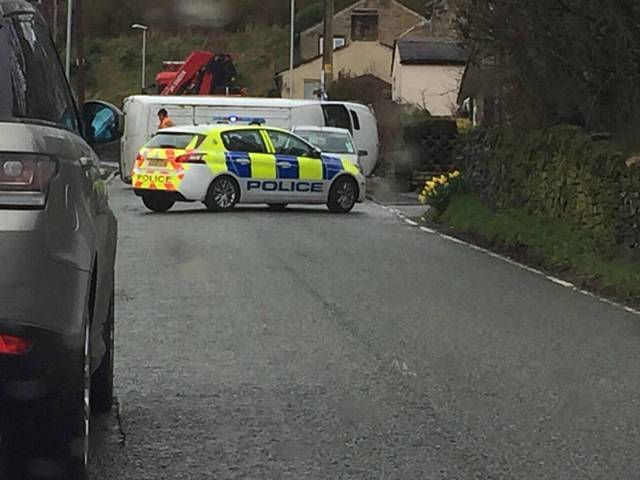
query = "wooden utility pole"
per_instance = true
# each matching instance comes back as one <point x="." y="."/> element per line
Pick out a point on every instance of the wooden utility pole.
<point x="327" y="62"/>
<point x="80" y="51"/>
<point x="54" y="20"/>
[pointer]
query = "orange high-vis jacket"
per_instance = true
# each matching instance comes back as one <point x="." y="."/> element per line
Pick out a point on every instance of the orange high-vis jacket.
<point x="166" y="123"/>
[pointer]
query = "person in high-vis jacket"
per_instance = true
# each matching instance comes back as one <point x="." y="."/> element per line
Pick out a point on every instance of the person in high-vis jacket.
<point x="165" y="120"/>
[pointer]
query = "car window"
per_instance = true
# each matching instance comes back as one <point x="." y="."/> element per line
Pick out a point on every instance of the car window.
<point x="244" y="141"/>
<point x="356" y="119"/>
<point x="330" y="142"/>
<point x="179" y="141"/>
<point x="286" y="144"/>
<point x="32" y="81"/>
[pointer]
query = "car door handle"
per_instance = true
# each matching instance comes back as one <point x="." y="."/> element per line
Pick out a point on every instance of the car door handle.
<point x="243" y="161"/>
<point x="284" y="164"/>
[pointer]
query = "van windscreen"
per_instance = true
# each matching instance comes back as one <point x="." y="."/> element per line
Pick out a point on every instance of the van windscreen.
<point x="337" y="116"/>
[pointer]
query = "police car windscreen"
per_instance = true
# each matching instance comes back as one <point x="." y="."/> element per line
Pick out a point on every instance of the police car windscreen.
<point x="179" y="141"/>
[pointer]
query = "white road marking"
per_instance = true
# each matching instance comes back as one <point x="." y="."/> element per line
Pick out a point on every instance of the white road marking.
<point x="455" y="240"/>
<point x="562" y="283"/>
<point x="503" y="258"/>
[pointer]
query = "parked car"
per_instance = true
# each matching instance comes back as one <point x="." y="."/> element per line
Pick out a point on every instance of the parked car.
<point x="57" y="251"/>
<point x="337" y="141"/>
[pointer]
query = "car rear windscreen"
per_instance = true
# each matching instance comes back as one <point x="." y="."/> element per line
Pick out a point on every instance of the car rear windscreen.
<point x="179" y="141"/>
<point x="32" y="82"/>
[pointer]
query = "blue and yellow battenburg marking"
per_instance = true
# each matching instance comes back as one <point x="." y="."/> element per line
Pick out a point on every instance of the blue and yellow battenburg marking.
<point x="286" y="167"/>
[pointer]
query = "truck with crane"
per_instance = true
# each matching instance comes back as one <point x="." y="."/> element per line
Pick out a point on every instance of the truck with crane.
<point x="202" y="73"/>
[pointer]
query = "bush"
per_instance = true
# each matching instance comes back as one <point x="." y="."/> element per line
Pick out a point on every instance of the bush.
<point x="438" y="191"/>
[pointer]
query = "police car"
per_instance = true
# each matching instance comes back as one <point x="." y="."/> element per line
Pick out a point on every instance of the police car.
<point x="228" y="163"/>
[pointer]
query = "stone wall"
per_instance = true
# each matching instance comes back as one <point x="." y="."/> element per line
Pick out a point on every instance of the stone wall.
<point x="559" y="173"/>
<point x="395" y="20"/>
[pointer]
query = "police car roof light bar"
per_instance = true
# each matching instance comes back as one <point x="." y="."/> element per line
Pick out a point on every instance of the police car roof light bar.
<point x="237" y="119"/>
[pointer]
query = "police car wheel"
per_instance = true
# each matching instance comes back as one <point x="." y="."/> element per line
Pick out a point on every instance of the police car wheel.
<point x="223" y="194"/>
<point x="278" y="207"/>
<point x="157" y="203"/>
<point x="343" y="195"/>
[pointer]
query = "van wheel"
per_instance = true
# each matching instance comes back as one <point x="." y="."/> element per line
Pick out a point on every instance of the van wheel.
<point x="157" y="203"/>
<point x="278" y="207"/>
<point x="343" y="195"/>
<point x="102" y="380"/>
<point x="223" y="194"/>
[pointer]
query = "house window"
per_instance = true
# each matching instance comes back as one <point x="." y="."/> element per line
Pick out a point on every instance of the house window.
<point x="338" y="42"/>
<point x="365" y="25"/>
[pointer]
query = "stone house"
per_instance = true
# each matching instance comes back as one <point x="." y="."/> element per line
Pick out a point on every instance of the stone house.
<point x="355" y="60"/>
<point x="366" y="20"/>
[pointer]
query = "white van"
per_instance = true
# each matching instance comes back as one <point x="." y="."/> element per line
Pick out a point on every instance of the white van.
<point x="141" y="121"/>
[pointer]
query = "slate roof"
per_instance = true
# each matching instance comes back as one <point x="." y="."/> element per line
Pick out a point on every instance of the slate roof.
<point x="431" y="52"/>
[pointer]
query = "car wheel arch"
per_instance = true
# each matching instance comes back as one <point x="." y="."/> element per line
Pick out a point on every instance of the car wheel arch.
<point x="343" y="175"/>
<point x="232" y="177"/>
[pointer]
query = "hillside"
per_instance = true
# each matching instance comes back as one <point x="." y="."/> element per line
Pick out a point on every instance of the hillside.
<point x="114" y="63"/>
<point x="254" y="31"/>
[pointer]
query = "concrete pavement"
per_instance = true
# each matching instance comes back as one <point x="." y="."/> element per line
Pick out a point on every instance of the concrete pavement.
<point x="302" y="344"/>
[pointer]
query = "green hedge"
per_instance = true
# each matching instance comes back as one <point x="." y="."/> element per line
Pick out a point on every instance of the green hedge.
<point x="559" y="173"/>
<point x="554" y="243"/>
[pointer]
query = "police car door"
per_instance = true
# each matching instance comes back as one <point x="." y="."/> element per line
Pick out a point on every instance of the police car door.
<point x="299" y="168"/>
<point x="247" y="158"/>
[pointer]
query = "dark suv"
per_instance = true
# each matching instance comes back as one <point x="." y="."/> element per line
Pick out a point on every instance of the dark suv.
<point x="57" y="254"/>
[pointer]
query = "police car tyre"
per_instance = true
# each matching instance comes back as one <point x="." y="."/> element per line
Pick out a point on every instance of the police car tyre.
<point x="343" y="195"/>
<point x="102" y="379"/>
<point x="157" y="203"/>
<point x="223" y="194"/>
<point x="279" y="207"/>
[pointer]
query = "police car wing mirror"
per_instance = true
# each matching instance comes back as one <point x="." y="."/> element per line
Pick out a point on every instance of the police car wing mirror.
<point x="316" y="153"/>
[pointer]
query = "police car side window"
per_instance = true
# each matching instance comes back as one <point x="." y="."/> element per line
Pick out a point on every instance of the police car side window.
<point x="286" y="144"/>
<point x="249" y="141"/>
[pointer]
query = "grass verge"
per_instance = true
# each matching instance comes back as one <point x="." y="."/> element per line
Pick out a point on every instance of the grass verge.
<point x="553" y="244"/>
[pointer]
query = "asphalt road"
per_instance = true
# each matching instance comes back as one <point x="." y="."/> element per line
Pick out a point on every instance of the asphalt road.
<point x="305" y="345"/>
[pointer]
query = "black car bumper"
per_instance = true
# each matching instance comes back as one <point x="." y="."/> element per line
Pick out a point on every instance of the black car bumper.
<point x="48" y="370"/>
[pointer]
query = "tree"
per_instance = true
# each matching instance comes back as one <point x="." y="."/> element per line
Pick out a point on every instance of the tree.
<point x="560" y="60"/>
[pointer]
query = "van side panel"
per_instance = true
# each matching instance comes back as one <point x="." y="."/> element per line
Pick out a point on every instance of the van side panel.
<point x="307" y="115"/>
<point x="366" y="137"/>
<point x="274" y="116"/>
<point x="132" y="126"/>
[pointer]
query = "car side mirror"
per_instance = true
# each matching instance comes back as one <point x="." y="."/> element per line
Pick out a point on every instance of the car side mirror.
<point x="316" y="153"/>
<point x="103" y="123"/>
<point x="362" y="153"/>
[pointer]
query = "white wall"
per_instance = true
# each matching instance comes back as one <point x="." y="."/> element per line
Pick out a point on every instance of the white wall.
<point x="434" y="87"/>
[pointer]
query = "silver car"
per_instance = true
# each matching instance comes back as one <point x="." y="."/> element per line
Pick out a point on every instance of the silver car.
<point x="57" y="254"/>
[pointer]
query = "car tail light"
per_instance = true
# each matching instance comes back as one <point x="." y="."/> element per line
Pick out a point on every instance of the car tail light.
<point x="14" y="346"/>
<point x="24" y="180"/>
<point x="191" y="158"/>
